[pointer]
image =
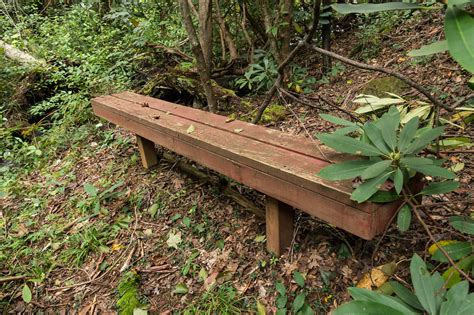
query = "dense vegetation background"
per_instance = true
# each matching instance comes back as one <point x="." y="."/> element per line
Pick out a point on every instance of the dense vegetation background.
<point x="85" y="228"/>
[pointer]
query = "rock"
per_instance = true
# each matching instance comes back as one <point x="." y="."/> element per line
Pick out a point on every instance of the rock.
<point x="379" y="86"/>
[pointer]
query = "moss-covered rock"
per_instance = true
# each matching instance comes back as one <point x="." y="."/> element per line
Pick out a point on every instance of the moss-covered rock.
<point x="274" y="113"/>
<point x="380" y="86"/>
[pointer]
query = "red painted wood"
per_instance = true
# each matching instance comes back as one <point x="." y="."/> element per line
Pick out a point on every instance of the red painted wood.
<point x="299" y="169"/>
<point x="264" y="164"/>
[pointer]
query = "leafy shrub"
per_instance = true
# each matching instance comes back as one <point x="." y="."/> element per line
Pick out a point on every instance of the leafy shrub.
<point x="429" y="296"/>
<point x="392" y="151"/>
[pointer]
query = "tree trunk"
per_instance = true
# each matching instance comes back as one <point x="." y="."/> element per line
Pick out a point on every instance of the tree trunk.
<point x="226" y="34"/>
<point x="20" y="56"/>
<point x="203" y="55"/>
<point x="205" y="30"/>
<point x="326" y="38"/>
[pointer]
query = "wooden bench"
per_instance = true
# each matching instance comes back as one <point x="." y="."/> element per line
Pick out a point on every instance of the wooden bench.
<point x="282" y="166"/>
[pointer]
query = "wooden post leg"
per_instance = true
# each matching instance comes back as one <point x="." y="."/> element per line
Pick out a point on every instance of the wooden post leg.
<point x="147" y="152"/>
<point x="279" y="225"/>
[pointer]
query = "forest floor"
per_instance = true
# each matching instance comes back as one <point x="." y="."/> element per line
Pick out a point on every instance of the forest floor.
<point x="186" y="245"/>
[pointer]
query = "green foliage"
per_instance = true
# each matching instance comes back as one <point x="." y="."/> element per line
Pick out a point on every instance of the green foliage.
<point x="129" y="294"/>
<point x="222" y="299"/>
<point x="299" y="306"/>
<point x="392" y="152"/>
<point x="259" y="76"/>
<point x="429" y="296"/>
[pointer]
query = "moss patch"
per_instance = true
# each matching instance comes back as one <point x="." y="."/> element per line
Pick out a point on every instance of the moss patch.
<point x="274" y="113"/>
<point x="380" y="86"/>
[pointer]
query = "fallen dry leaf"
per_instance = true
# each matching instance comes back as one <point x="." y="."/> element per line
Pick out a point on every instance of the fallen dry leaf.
<point x="377" y="276"/>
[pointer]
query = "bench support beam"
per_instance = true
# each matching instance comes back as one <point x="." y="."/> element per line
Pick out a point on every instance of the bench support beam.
<point x="279" y="225"/>
<point x="147" y="152"/>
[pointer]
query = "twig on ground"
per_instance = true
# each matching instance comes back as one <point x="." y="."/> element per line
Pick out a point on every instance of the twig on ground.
<point x="395" y="74"/>
<point x="414" y="207"/>
<point x="12" y="278"/>
<point x="463" y="100"/>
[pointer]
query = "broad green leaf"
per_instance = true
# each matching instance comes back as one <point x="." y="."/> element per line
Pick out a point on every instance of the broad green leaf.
<point x="370" y="187"/>
<point x="280" y="288"/>
<point x="350" y="145"/>
<point x="181" y="288"/>
<point x="298" y="302"/>
<point x="26" y="293"/>
<point x="423" y="140"/>
<point x="423" y="284"/>
<point x="346" y="130"/>
<point x="261" y="310"/>
<point x="430" y="49"/>
<point x="415" y="161"/>
<point x="376" y="169"/>
<point x="433" y="170"/>
<point x="375" y="103"/>
<point x="90" y="189"/>
<point x="299" y="279"/>
<point x="407" y="134"/>
<point x="337" y="120"/>
<point x="458" y="28"/>
<point x="389" y="126"/>
<point x="422" y="112"/>
<point x="398" y="180"/>
<point x="462" y="224"/>
<point x="458" y="2"/>
<point x="406" y="295"/>
<point x="440" y="188"/>
<point x="365" y="308"/>
<point x="456" y="251"/>
<point x="404" y="218"/>
<point x="375" y="136"/>
<point x="452" y="276"/>
<point x="455" y="297"/>
<point x="374" y="8"/>
<point x="360" y="294"/>
<point x="384" y="196"/>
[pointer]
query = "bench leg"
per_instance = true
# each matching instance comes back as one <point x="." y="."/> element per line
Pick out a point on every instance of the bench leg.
<point x="279" y="225"/>
<point x="147" y="152"/>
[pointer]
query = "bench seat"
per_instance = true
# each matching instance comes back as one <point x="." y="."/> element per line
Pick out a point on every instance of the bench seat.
<point x="280" y="165"/>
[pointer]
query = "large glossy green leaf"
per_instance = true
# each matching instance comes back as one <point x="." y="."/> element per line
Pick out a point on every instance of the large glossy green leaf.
<point x="455" y="298"/>
<point x="458" y="28"/>
<point x="406" y="295"/>
<point x="376" y="169"/>
<point x="398" y="180"/>
<point x="375" y="136"/>
<point x="360" y="294"/>
<point x="440" y="188"/>
<point x="452" y="276"/>
<point x="370" y="187"/>
<point x="365" y="308"/>
<point x="424" y="139"/>
<point x="350" y="145"/>
<point x="374" y="8"/>
<point x="422" y="282"/>
<point x="433" y="170"/>
<point x="337" y="120"/>
<point x="455" y="250"/>
<point x="430" y="49"/>
<point x="389" y="126"/>
<point x="384" y="196"/>
<point x="345" y="170"/>
<point x="408" y="133"/>
<point x="404" y="218"/>
<point x="462" y="224"/>
<point x="415" y="161"/>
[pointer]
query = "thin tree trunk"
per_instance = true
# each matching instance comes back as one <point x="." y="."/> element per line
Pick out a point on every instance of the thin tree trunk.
<point x="225" y="33"/>
<point x="205" y="30"/>
<point x="202" y="64"/>
<point x="326" y="39"/>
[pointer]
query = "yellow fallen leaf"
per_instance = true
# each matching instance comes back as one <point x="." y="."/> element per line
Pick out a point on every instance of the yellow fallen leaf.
<point x="433" y="248"/>
<point x="116" y="246"/>
<point x="377" y="276"/>
<point x="191" y="129"/>
<point x="261" y="310"/>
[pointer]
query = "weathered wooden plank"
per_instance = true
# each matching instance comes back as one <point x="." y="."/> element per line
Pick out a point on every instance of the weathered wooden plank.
<point x="294" y="143"/>
<point x="147" y="152"/>
<point x="360" y="223"/>
<point x="299" y="169"/>
<point x="279" y="225"/>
